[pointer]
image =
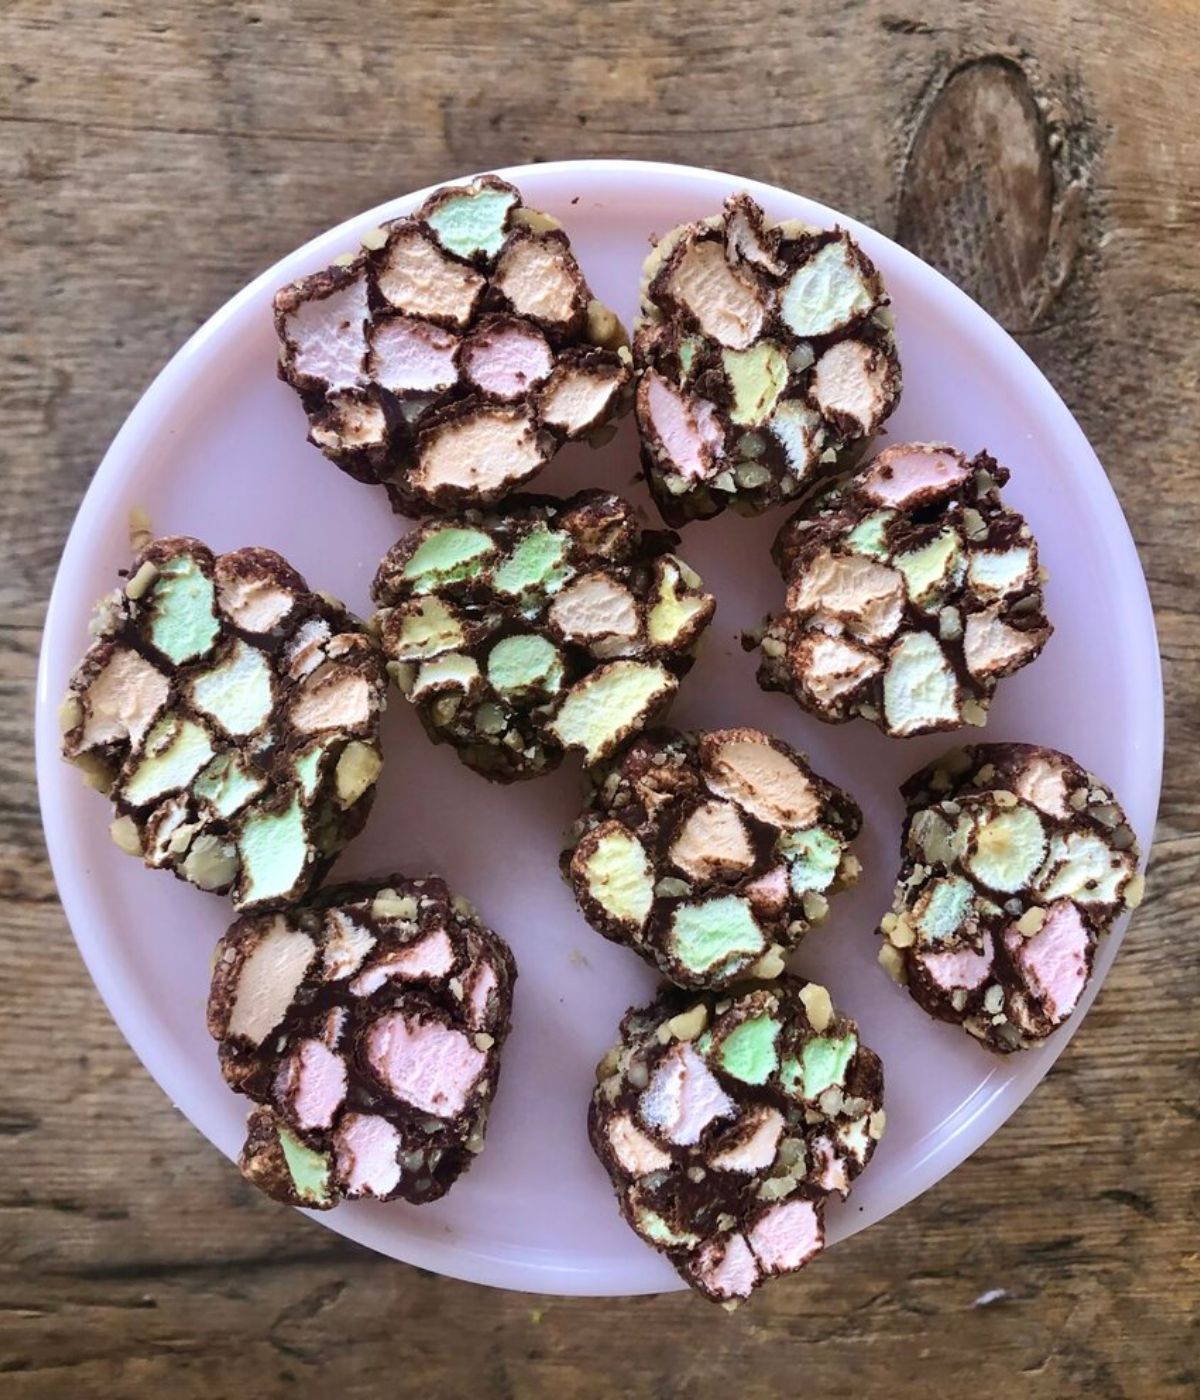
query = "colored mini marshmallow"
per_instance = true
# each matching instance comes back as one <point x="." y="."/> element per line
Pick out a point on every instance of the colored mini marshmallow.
<point x="232" y="716"/>
<point x="720" y="1156"/>
<point x="455" y="353"/>
<point x="366" y="1025"/>
<point x="766" y="358"/>
<point x="1015" y="862"/>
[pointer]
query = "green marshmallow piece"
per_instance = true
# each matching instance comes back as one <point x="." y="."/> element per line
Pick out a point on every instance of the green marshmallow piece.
<point x="273" y="847"/>
<point x="824" y="1061"/>
<point x="308" y="768"/>
<point x="620" y="878"/>
<point x="748" y="1051"/>
<point x="183" y="620"/>
<point x="825" y="292"/>
<point x="689" y="347"/>
<point x="757" y="377"/>
<point x="609" y="703"/>
<point x="867" y="537"/>
<point x="999" y="570"/>
<point x="447" y="555"/>
<point x="813" y="857"/>
<point x="452" y="671"/>
<point x="703" y="936"/>
<point x="237" y="693"/>
<point x="178" y="749"/>
<point x="473" y="221"/>
<point x="1008" y="846"/>
<point x="309" y="1170"/>
<point x="430" y="627"/>
<point x="948" y="905"/>
<point x="227" y="784"/>
<point x="537" y="562"/>
<point x="925" y="568"/>
<point x="655" y="1228"/>
<point x="521" y="663"/>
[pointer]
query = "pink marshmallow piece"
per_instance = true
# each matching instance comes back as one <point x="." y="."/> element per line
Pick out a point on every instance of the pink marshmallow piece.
<point x="757" y="1151"/>
<point x="832" y="1167"/>
<point x="425" y="1063"/>
<point x="636" y="1153"/>
<point x="329" y="335"/>
<point x="315" y="1080"/>
<point x="482" y="985"/>
<point x="689" y="431"/>
<point x="787" y="1236"/>
<point x="507" y="360"/>
<point x="428" y="958"/>
<point x="414" y="355"/>
<point x="1054" y="961"/>
<point x="768" y="894"/>
<point x="727" y="1269"/>
<point x="967" y="968"/>
<point x="367" y="1147"/>
<point x="683" y="1097"/>
<point x="903" y="475"/>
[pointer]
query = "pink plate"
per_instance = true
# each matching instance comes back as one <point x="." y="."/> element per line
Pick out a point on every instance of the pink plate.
<point x="216" y="448"/>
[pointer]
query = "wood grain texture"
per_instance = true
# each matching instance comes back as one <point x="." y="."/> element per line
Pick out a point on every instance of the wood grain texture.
<point x="153" y="158"/>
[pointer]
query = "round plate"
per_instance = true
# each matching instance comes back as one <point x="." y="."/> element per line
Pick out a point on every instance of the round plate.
<point x="216" y="448"/>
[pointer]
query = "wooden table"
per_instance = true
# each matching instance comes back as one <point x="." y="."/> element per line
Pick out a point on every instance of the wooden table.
<point x="152" y="158"/>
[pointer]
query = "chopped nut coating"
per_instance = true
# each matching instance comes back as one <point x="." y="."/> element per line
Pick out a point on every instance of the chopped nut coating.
<point x="765" y="358"/>
<point x="705" y="853"/>
<point x="911" y="590"/>
<point x="232" y="715"/>
<point x="539" y="627"/>
<point x="452" y="357"/>
<point x="1006" y="884"/>
<point x="725" y="1125"/>
<point x="367" y="1026"/>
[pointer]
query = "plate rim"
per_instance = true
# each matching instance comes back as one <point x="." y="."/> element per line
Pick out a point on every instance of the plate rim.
<point x="447" y="1256"/>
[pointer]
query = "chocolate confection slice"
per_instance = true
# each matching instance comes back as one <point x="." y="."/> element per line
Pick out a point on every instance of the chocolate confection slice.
<point x="766" y="360"/>
<point x="455" y="353"/>
<point x="232" y="716"/>
<point x="539" y="627"/>
<point x="912" y="590"/>
<point x="726" y="1120"/>
<point x="1015" y="862"/>
<point x="711" y="855"/>
<point x="366" y="1025"/>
